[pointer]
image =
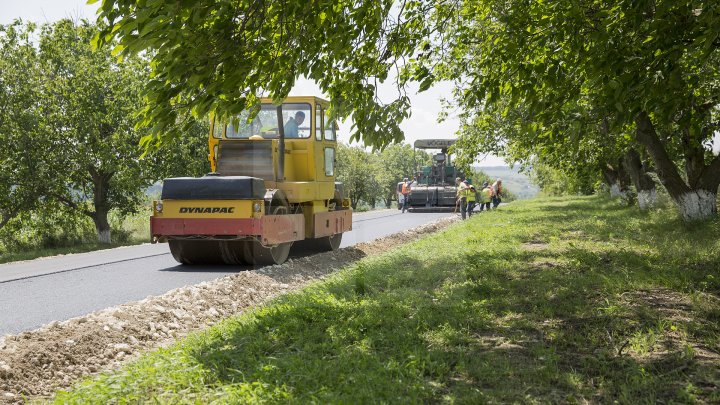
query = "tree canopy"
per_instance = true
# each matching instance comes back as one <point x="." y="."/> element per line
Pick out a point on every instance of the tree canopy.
<point x="592" y="81"/>
<point x="67" y="123"/>
<point x="221" y="55"/>
<point x="539" y="72"/>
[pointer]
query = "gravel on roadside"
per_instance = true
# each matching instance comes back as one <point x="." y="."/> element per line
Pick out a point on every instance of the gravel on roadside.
<point x="39" y="362"/>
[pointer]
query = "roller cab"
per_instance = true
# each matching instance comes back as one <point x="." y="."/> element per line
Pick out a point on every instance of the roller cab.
<point x="272" y="184"/>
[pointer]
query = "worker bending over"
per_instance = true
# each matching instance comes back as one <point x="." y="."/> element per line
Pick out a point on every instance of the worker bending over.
<point x="497" y="193"/>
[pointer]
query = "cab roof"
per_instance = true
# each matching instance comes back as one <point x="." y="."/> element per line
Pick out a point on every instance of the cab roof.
<point x="298" y="99"/>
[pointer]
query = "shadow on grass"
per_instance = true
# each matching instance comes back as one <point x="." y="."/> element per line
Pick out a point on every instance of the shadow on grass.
<point x="484" y="329"/>
<point x="605" y="306"/>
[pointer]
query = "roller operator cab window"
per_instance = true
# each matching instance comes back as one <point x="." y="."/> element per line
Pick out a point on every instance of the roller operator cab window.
<point x="318" y="122"/>
<point x="296" y="122"/>
<point x="217" y="128"/>
<point x="329" y="161"/>
<point x="330" y="130"/>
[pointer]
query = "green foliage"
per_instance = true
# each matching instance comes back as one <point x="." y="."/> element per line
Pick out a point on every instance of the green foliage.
<point x="67" y="118"/>
<point x="546" y="301"/>
<point x="568" y="81"/>
<point x="56" y="230"/>
<point x="356" y="170"/>
<point x="23" y="173"/>
<point x="219" y="56"/>
<point x="371" y="177"/>
<point x="90" y="105"/>
<point x="556" y="182"/>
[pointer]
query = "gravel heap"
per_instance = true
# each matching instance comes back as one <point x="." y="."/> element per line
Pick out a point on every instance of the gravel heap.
<point x="53" y="357"/>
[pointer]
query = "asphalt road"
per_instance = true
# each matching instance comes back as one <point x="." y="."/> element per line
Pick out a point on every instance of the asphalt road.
<point x="36" y="292"/>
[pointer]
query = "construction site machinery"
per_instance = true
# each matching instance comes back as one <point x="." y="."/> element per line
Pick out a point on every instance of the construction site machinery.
<point x="272" y="184"/>
<point x="433" y="189"/>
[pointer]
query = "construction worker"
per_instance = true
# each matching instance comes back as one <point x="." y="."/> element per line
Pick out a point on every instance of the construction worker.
<point x="291" y="127"/>
<point x="461" y="197"/>
<point x="497" y="193"/>
<point x="486" y="195"/>
<point x="470" y="196"/>
<point x="405" y="191"/>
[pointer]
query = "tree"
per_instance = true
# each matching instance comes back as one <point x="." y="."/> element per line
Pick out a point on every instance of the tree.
<point x="553" y="181"/>
<point x="220" y="55"/>
<point x="653" y="65"/>
<point x="90" y="99"/>
<point x="90" y="103"/>
<point x="24" y="174"/>
<point x="355" y="168"/>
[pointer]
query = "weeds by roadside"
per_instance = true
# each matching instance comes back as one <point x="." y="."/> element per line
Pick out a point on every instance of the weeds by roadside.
<point x="554" y="300"/>
<point x="43" y="236"/>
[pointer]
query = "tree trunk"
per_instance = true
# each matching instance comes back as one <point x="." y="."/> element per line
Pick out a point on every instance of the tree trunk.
<point x="100" y="218"/>
<point x="611" y="180"/>
<point x="696" y="201"/>
<point x="616" y="178"/>
<point x="101" y="187"/>
<point x="697" y="205"/>
<point x="644" y="184"/>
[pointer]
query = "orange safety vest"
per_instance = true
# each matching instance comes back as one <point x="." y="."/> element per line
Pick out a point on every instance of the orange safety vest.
<point x="405" y="188"/>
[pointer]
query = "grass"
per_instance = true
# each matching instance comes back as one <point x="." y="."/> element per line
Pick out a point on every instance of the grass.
<point x="128" y="230"/>
<point x="553" y="300"/>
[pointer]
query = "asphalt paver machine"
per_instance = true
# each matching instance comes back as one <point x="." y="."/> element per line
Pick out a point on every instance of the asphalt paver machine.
<point x="433" y="189"/>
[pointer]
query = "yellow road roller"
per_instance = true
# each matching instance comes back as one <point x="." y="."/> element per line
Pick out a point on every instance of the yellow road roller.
<point x="272" y="184"/>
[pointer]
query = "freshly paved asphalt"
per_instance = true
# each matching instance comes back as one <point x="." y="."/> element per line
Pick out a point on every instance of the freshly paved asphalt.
<point x="36" y="292"/>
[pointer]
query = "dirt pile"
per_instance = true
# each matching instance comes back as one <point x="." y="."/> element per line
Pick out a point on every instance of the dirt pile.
<point x="39" y="362"/>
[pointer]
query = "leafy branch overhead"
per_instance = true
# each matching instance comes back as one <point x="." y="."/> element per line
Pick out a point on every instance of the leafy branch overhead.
<point x="573" y="83"/>
<point x="220" y="56"/>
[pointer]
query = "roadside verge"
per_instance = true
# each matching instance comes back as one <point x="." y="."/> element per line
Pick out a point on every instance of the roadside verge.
<point x="39" y="362"/>
<point x="556" y="300"/>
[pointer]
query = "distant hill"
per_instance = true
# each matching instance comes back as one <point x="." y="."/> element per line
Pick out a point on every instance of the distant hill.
<point x="519" y="183"/>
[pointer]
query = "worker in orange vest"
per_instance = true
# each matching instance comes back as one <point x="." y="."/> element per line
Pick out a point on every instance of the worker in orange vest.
<point x="405" y="191"/>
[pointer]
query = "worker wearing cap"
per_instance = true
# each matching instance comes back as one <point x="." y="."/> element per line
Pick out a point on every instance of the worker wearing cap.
<point x="486" y="196"/>
<point x="497" y="193"/>
<point x="405" y="191"/>
<point x="461" y="197"/>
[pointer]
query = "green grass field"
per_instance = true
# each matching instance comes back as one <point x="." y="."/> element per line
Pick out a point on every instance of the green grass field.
<point x="553" y="300"/>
